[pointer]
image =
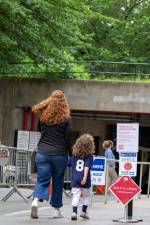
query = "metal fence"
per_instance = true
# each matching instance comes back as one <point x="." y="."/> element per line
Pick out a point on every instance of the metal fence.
<point x="15" y="172"/>
<point x="96" y="68"/>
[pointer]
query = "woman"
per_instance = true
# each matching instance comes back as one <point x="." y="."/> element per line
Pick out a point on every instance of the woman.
<point x="107" y="145"/>
<point x="54" y="145"/>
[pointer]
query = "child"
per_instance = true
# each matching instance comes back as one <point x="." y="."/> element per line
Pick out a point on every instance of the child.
<point x="81" y="163"/>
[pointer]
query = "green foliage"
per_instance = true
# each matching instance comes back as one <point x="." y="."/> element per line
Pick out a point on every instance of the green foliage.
<point x="47" y="38"/>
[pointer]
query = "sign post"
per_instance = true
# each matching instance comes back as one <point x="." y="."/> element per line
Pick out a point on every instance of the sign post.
<point x="127" y="146"/>
<point x="125" y="189"/>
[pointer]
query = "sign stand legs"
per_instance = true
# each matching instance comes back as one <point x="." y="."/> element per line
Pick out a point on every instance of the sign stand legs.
<point x="128" y="215"/>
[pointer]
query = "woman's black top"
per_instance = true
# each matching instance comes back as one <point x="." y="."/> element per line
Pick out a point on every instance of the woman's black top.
<point x="55" y="139"/>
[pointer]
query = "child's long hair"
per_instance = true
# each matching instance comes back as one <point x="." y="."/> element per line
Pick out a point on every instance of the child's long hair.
<point x="54" y="110"/>
<point x="84" y="146"/>
<point x="107" y="144"/>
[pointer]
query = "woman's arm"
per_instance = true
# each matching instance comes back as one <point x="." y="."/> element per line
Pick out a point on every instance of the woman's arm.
<point x="68" y="137"/>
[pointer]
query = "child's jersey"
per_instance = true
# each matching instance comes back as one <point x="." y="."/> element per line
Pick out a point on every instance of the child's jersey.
<point x="78" y="165"/>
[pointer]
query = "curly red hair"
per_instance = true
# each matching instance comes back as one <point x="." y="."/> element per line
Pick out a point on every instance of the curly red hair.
<point x="84" y="146"/>
<point x="54" y="110"/>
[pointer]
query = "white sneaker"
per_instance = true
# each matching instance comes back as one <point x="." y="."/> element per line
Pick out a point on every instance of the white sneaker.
<point x="57" y="213"/>
<point x="34" y="209"/>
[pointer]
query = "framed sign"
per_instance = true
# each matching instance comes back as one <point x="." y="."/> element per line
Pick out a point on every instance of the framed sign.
<point x="127" y="137"/>
<point x="33" y="140"/>
<point x="23" y="140"/>
<point x="27" y="140"/>
<point x="128" y="164"/>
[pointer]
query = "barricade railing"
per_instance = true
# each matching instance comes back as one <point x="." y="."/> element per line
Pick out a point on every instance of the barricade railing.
<point x="15" y="169"/>
<point x="15" y="172"/>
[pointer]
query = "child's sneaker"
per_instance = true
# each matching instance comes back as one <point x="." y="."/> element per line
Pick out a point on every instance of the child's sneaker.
<point x="84" y="215"/>
<point x="57" y="213"/>
<point x="74" y="216"/>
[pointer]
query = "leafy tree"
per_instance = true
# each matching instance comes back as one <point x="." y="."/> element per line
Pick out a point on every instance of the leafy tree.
<point x="50" y="37"/>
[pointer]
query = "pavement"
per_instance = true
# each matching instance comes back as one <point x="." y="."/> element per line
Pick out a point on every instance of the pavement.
<point x="16" y="212"/>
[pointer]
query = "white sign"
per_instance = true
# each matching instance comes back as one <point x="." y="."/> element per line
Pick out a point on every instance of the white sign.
<point x="98" y="171"/>
<point x="23" y="139"/>
<point x="127" y="137"/>
<point x="33" y="140"/>
<point x="128" y="164"/>
<point x="4" y="155"/>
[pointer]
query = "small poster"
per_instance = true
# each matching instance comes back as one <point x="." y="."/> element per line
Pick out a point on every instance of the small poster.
<point x="33" y="140"/>
<point x="23" y="140"/>
<point x="98" y="171"/>
<point x="128" y="164"/>
<point x="127" y="137"/>
<point x="4" y="155"/>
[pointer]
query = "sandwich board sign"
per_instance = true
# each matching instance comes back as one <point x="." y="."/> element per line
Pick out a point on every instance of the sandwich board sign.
<point x="98" y="171"/>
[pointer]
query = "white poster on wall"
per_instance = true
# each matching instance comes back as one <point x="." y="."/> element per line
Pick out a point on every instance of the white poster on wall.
<point x="128" y="164"/>
<point x="23" y="140"/>
<point x="33" y="140"/>
<point x="127" y="137"/>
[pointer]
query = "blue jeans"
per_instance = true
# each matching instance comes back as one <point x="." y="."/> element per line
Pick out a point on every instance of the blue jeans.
<point x="50" y="166"/>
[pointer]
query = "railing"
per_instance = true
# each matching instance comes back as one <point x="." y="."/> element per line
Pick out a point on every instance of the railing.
<point x="94" y="68"/>
<point x="15" y="171"/>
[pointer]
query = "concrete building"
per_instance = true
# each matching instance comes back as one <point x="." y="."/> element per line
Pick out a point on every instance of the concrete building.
<point x="97" y="106"/>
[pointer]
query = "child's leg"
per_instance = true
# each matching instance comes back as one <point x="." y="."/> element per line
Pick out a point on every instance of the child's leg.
<point x="85" y="201"/>
<point x="85" y="198"/>
<point x="76" y="198"/>
<point x="75" y="202"/>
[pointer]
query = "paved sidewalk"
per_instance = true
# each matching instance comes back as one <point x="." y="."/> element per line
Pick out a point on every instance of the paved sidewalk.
<point x="16" y="212"/>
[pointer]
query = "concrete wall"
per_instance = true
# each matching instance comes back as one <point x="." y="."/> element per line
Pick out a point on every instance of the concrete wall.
<point x="94" y="127"/>
<point x="88" y="95"/>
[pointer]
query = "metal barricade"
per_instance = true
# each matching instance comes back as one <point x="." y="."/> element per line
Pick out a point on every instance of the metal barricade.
<point x="15" y="172"/>
<point x="15" y="167"/>
<point x="7" y="166"/>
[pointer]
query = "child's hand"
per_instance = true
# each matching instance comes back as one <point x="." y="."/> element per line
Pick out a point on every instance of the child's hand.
<point x="83" y="181"/>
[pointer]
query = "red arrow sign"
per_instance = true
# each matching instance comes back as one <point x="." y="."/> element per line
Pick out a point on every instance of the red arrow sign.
<point x="125" y="189"/>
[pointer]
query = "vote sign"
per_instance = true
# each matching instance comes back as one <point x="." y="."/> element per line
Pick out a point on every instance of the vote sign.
<point x="125" y="189"/>
<point x="98" y="171"/>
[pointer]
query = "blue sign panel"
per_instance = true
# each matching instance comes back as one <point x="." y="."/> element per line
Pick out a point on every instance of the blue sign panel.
<point x="98" y="171"/>
<point x="98" y="164"/>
